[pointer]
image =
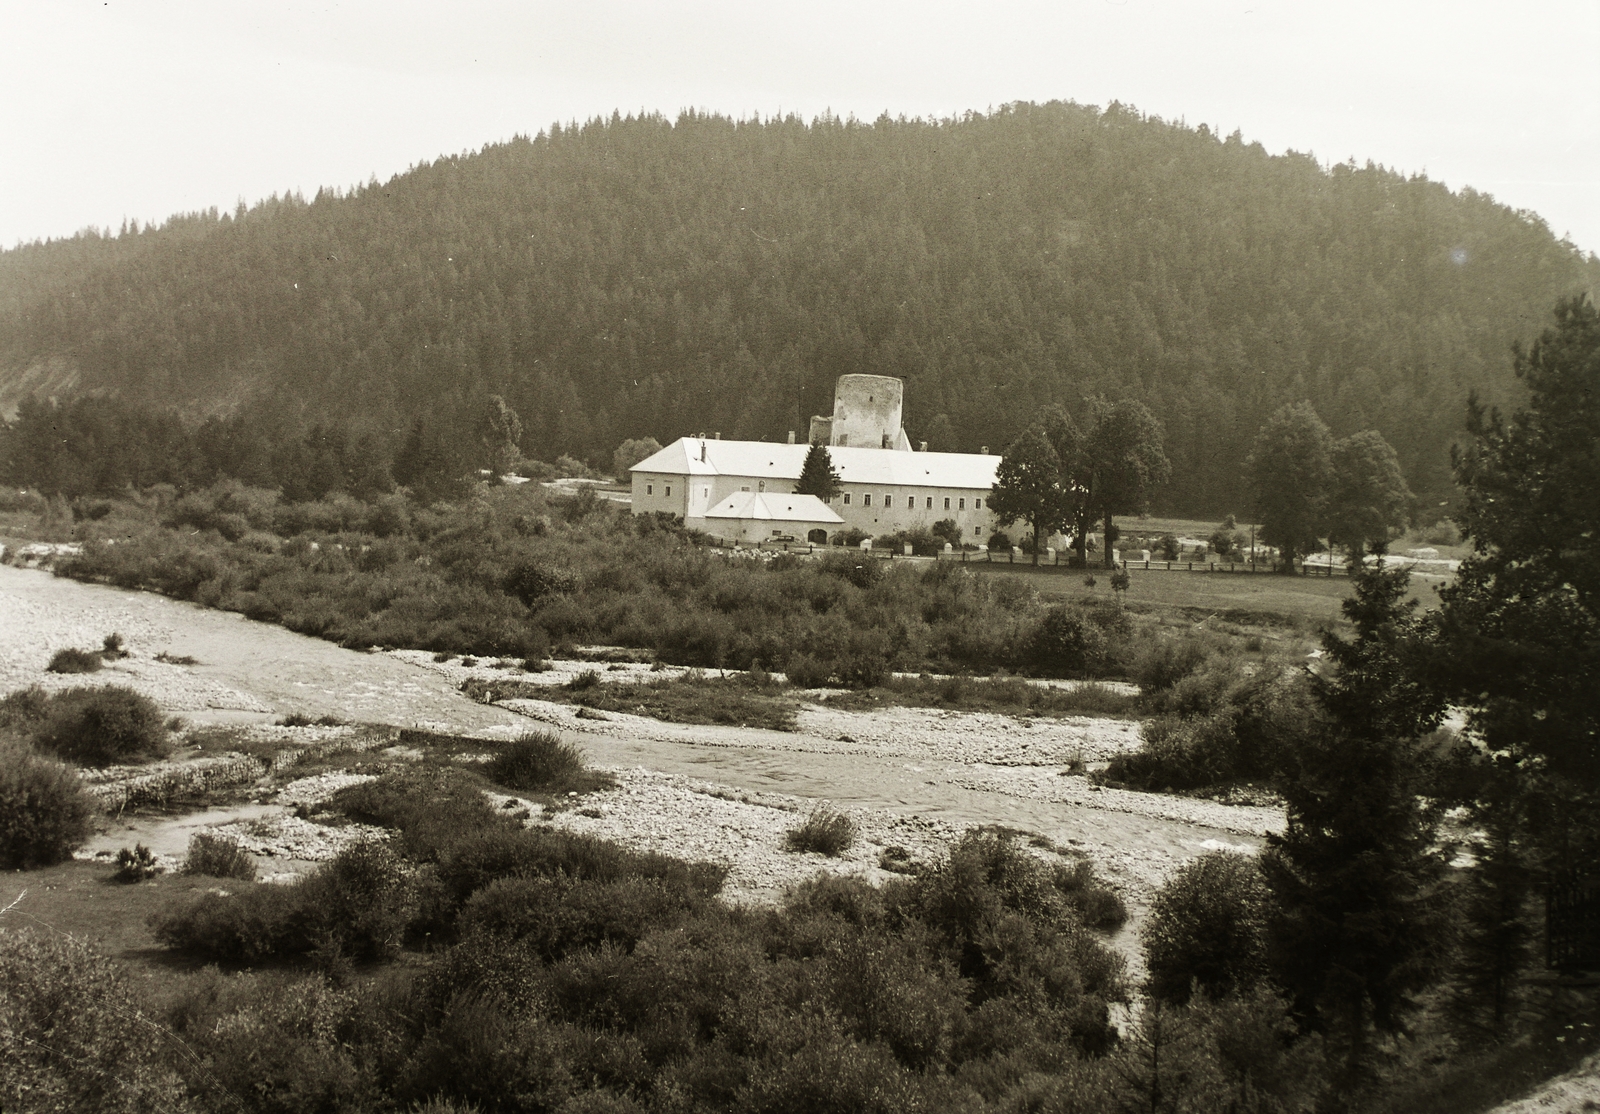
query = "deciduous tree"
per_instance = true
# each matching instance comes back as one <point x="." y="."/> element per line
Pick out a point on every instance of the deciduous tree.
<point x="1288" y="472"/>
<point x="1368" y="496"/>
<point x="1029" y="487"/>
<point x="1125" y="460"/>
<point x="631" y="452"/>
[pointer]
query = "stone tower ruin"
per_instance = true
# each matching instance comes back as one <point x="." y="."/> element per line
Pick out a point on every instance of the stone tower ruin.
<point x="866" y="414"/>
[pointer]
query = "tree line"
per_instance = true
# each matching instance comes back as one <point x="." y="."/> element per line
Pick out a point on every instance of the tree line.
<point x="644" y="277"/>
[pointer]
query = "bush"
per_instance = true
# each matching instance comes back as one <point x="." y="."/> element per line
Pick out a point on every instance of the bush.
<point x="946" y="530"/>
<point x="1159" y="665"/>
<point x="824" y="830"/>
<point x="1064" y="643"/>
<point x="45" y="812"/>
<point x="1168" y="548"/>
<point x="74" y="1037"/>
<point x="355" y="907"/>
<point x="217" y="857"/>
<point x="1208" y="929"/>
<point x="137" y="864"/>
<point x="807" y="672"/>
<point x="75" y="661"/>
<point x="1000" y="540"/>
<point x="538" y="760"/>
<point x="103" y="726"/>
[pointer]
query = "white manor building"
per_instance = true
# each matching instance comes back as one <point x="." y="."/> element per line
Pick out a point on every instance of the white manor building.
<point x="885" y="486"/>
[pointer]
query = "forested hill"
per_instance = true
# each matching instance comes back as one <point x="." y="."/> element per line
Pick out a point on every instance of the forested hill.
<point x="643" y="276"/>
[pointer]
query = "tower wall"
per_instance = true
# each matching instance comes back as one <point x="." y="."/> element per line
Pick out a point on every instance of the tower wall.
<point x="867" y="411"/>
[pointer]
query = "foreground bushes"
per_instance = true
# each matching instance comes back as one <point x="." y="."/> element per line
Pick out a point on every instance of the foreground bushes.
<point x="45" y="812"/>
<point x="1207" y="930"/>
<point x="72" y="1037"/>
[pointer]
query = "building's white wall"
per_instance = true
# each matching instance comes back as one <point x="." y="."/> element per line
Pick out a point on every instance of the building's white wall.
<point x="908" y="509"/>
<point x="660" y="491"/>
<point x="756" y="530"/>
<point x="692" y="496"/>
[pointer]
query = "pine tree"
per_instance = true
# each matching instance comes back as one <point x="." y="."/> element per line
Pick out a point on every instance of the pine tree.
<point x="817" y="475"/>
<point x="1360" y="922"/>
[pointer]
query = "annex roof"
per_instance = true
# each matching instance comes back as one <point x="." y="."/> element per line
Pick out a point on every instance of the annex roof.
<point x="774" y="507"/>
<point x="696" y="456"/>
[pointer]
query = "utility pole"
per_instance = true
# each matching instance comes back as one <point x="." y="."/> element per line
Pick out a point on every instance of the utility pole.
<point x="1252" y="547"/>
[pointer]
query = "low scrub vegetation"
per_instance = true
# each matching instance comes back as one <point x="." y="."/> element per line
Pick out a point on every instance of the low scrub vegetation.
<point x="45" y="812"/>
<point x="539" y="761"/>
<point x="508" y="575"/>
<point x="74" y="661"/>
<point x="88" y="726"/>
<point x="216" y="856"/>
<point x="825" y="830"/>
<point x="741" y="700"/>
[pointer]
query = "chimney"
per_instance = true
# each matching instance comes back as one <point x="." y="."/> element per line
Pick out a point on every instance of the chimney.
<point x="924" y="447"/>
<point x="791" y="437"/>
<point x="702" y="452"/>
<point x="984" y="450"/>
<point x="716" y="436"/>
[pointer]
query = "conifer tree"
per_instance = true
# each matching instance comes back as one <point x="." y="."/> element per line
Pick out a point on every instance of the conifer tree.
<point x="1360" y="923"/>
<point x="817" y="475"/>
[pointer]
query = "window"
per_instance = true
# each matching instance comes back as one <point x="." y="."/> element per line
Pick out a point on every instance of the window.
<point x="649" y="489"/>
<point x="866" y="500"/>
<point x="847" y="498"/>
<point x="761" y="485"/>
<point x="962" y="506"/>
<point x="669" y="489"/>
<point x="947" y="502"/>
<point x="978" y="530"/>
<point x="888" y="500"/>
<point x="930" y="502"/>
<point x="977" y="504"/>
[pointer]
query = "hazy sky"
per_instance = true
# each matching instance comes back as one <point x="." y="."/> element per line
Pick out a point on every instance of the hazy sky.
<point x="113" y="109"/>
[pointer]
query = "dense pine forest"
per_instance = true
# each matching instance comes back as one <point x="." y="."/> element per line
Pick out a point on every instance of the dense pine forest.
<point x="648" y="277"/>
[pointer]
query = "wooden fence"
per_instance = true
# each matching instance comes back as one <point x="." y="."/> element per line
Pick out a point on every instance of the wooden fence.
<point x="1059" y="560"/>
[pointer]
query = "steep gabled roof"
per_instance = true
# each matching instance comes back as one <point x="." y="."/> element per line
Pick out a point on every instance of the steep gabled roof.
<point x="768" y="461"/>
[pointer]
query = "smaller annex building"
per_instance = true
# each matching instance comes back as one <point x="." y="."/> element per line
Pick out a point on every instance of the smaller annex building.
<point x="752" y="516"/>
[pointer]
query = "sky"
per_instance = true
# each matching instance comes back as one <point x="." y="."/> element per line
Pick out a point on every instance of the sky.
<point x="116" y="109"/>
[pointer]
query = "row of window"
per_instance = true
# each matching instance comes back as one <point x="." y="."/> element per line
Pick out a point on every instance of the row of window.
<point x="866" y="499"/>
<point x="911" y="502"/>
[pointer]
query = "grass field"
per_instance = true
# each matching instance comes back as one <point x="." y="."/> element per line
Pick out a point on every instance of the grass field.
<point x="1263" y="599"/>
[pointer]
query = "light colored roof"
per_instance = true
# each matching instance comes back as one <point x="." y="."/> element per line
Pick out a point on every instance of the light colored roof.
<point x="774" y="507"/>
<point x="770" y="461"/>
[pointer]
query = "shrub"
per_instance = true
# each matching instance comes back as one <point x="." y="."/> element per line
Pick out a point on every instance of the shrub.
<point x="1159" y="665"/>
<point x="73" y="1035"/>
<point x="45" y="812"/>
<point x="1168" y="547"/>
<point x="102" y="726"/>
<point x="74" y="661"/>
<point x="137" y="865"/>
<point x="1064" y="643"/>
<point x="587" y="679"/>
<point x="999" y="540"/>
<point x="24" y="709"/>
<point x="357" y="906"/>
<point x="1208" y="929"/>
<point x="217" y="857"/>
<point x="946" y="530"/>
<point x="538" y="760"/>
<point x="824" y="830"/>
<point x="807" y="672"/>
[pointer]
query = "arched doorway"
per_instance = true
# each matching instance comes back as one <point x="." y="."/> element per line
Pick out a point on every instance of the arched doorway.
<point x="818" y="536"/>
